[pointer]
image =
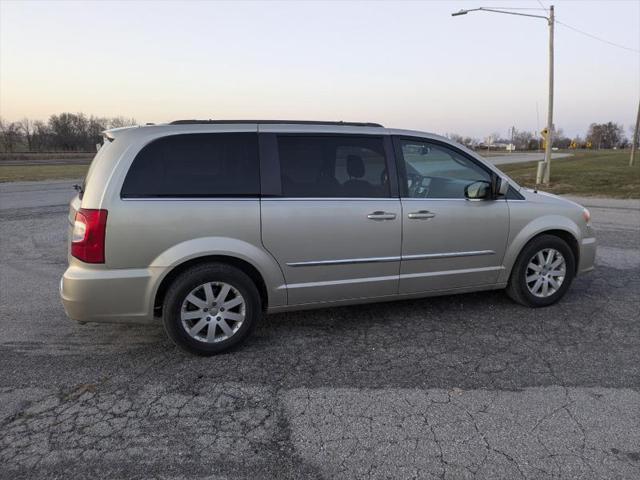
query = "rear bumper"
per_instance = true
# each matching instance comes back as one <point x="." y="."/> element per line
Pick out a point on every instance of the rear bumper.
<point x="114" y="296"/>
<point x="587" y="255"/>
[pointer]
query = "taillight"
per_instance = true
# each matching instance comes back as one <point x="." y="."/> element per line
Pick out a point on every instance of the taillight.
<point x="87" y="239"/>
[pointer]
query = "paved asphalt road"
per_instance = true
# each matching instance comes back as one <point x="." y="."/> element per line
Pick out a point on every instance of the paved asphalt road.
<point x="467" y="386"/>
<point x="21" y="195"/>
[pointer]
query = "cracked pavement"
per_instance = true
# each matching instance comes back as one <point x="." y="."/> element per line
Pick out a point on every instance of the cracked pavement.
<point x="457" y="387"/>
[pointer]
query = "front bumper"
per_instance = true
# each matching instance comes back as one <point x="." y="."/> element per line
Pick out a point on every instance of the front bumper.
<point x="114" y="296"/>
<point x="587" y="255"/>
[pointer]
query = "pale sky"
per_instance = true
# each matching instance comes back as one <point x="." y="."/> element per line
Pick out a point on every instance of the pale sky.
<point x="403" y="64"/>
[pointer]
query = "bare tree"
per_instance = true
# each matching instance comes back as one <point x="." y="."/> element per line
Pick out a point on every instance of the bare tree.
<point x="26" y="126"/>
<point x="455" y="137"/>
<point x="491" y="139"/>
<point x="65" y="131"/>
<point x="522" y="139"/>
<point x="41" y="136"/>
<point x="118" y="122"/>
<point x="632" y="130"/>
<point x="560" y="140"/>
<point x="605" y="135"/>
<point x="9" y="135"/>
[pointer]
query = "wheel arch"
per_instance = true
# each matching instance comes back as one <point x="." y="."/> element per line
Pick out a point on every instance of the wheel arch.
<point x="250" y="270"/>
<point x="569" y="239"/>
<point x="566" y="230"/>
<point x="564" y="235"/>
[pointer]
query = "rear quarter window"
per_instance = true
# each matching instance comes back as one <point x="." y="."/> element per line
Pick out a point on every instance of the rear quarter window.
<point x="195" y="165"/>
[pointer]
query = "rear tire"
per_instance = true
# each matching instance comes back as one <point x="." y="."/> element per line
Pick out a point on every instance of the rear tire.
<point x="211" y="308"/>
<point x="542" y="273"/>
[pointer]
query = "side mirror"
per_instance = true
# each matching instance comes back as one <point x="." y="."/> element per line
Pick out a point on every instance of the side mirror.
<point x="478" y="190"/>
<point x="503" y="186"/>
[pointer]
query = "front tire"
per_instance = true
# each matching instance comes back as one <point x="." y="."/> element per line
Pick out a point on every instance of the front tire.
<point x="542" y="273"/>
<point x="211" y="308"/>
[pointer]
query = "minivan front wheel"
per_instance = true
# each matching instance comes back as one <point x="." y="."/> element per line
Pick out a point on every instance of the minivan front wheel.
<point x="211" y="308"/>
<point x="542" y="273"/>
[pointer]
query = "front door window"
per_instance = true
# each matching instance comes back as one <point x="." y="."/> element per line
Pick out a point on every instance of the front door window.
<point x="435" y="171"/>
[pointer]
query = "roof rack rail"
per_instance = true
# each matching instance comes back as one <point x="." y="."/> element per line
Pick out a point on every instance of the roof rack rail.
<point x="295" y="122"/>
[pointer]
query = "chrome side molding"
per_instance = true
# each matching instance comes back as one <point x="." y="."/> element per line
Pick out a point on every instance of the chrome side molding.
<point x="344" y="261"/>
<point x="426" y="256"/>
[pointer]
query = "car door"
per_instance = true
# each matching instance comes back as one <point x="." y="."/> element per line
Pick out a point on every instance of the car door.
<point x="448" y="241"/>
<point x="332" y="220"/>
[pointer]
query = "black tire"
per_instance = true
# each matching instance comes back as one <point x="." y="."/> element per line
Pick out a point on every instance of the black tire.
<point x="189" y="280"/>
<point x="517" y="288"/>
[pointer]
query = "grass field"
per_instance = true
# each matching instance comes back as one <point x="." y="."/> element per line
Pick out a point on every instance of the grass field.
<point x="18" y="173"/>
<point x="46" y="155"/>
<point x="588" y="173"/>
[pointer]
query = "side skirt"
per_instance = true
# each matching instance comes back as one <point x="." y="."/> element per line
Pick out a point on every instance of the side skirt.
<point x="386" y="298"/>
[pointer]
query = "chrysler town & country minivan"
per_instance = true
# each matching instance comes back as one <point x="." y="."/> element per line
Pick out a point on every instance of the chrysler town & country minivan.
<point x="211" y="224"/>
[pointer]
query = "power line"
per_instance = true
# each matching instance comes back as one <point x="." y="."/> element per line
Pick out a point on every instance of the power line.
<point x="590" y="35"/>
<point x="518" y="8"/>
<point x="598" y="38"/>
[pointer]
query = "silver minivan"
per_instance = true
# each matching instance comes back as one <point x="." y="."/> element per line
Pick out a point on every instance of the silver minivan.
<point x="211" y="224"/>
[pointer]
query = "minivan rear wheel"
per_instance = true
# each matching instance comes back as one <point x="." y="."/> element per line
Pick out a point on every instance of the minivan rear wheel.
<point x="542" y="273"/>
<point x="211" y="308"/>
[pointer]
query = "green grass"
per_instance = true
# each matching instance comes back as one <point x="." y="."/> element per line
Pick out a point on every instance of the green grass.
<point x="588" y="173"/>
<point x="18" y="173"/>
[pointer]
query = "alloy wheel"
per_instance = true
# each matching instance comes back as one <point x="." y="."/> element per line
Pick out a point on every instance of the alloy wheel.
<point x="213" y="312"/>
<point x="545" y="273"/>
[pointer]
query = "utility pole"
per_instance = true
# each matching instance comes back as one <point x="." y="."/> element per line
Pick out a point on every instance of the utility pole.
<point x="635" y="138"/>
<point x="538" y="126"/>
<point x="547" y="150"/>
<point x="544" y="168"/>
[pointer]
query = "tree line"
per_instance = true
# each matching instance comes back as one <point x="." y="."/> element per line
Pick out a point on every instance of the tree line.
<point x="598" y="136"/>
<point x="77" y="132"/>
<point x="66" y="132"/>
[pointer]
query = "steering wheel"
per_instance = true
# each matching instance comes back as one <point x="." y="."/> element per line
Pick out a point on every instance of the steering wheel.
<point x="415" y="187"/>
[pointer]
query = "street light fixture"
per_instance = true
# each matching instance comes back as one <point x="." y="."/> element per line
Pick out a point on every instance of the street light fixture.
<point x="544" y="168"/>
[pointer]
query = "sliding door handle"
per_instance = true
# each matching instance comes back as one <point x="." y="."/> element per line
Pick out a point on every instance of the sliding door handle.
<point x="380" y="215"/>
<point x="421" y="215"/>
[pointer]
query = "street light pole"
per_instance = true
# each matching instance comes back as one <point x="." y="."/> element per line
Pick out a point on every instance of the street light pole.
<point x="634" y="143"/>
<point x="544" y="170"/>
<point x="547" y="150"/>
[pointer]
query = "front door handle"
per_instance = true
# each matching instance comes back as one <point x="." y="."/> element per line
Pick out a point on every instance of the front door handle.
<point x="421" y="215"/>
<point x="380" y="215"/>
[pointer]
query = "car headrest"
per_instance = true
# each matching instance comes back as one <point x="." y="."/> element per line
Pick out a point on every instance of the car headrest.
<point x="355" y="166"/>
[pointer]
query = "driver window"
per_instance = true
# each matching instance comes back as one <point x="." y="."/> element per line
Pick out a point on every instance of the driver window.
<point x="435" y="171"/>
